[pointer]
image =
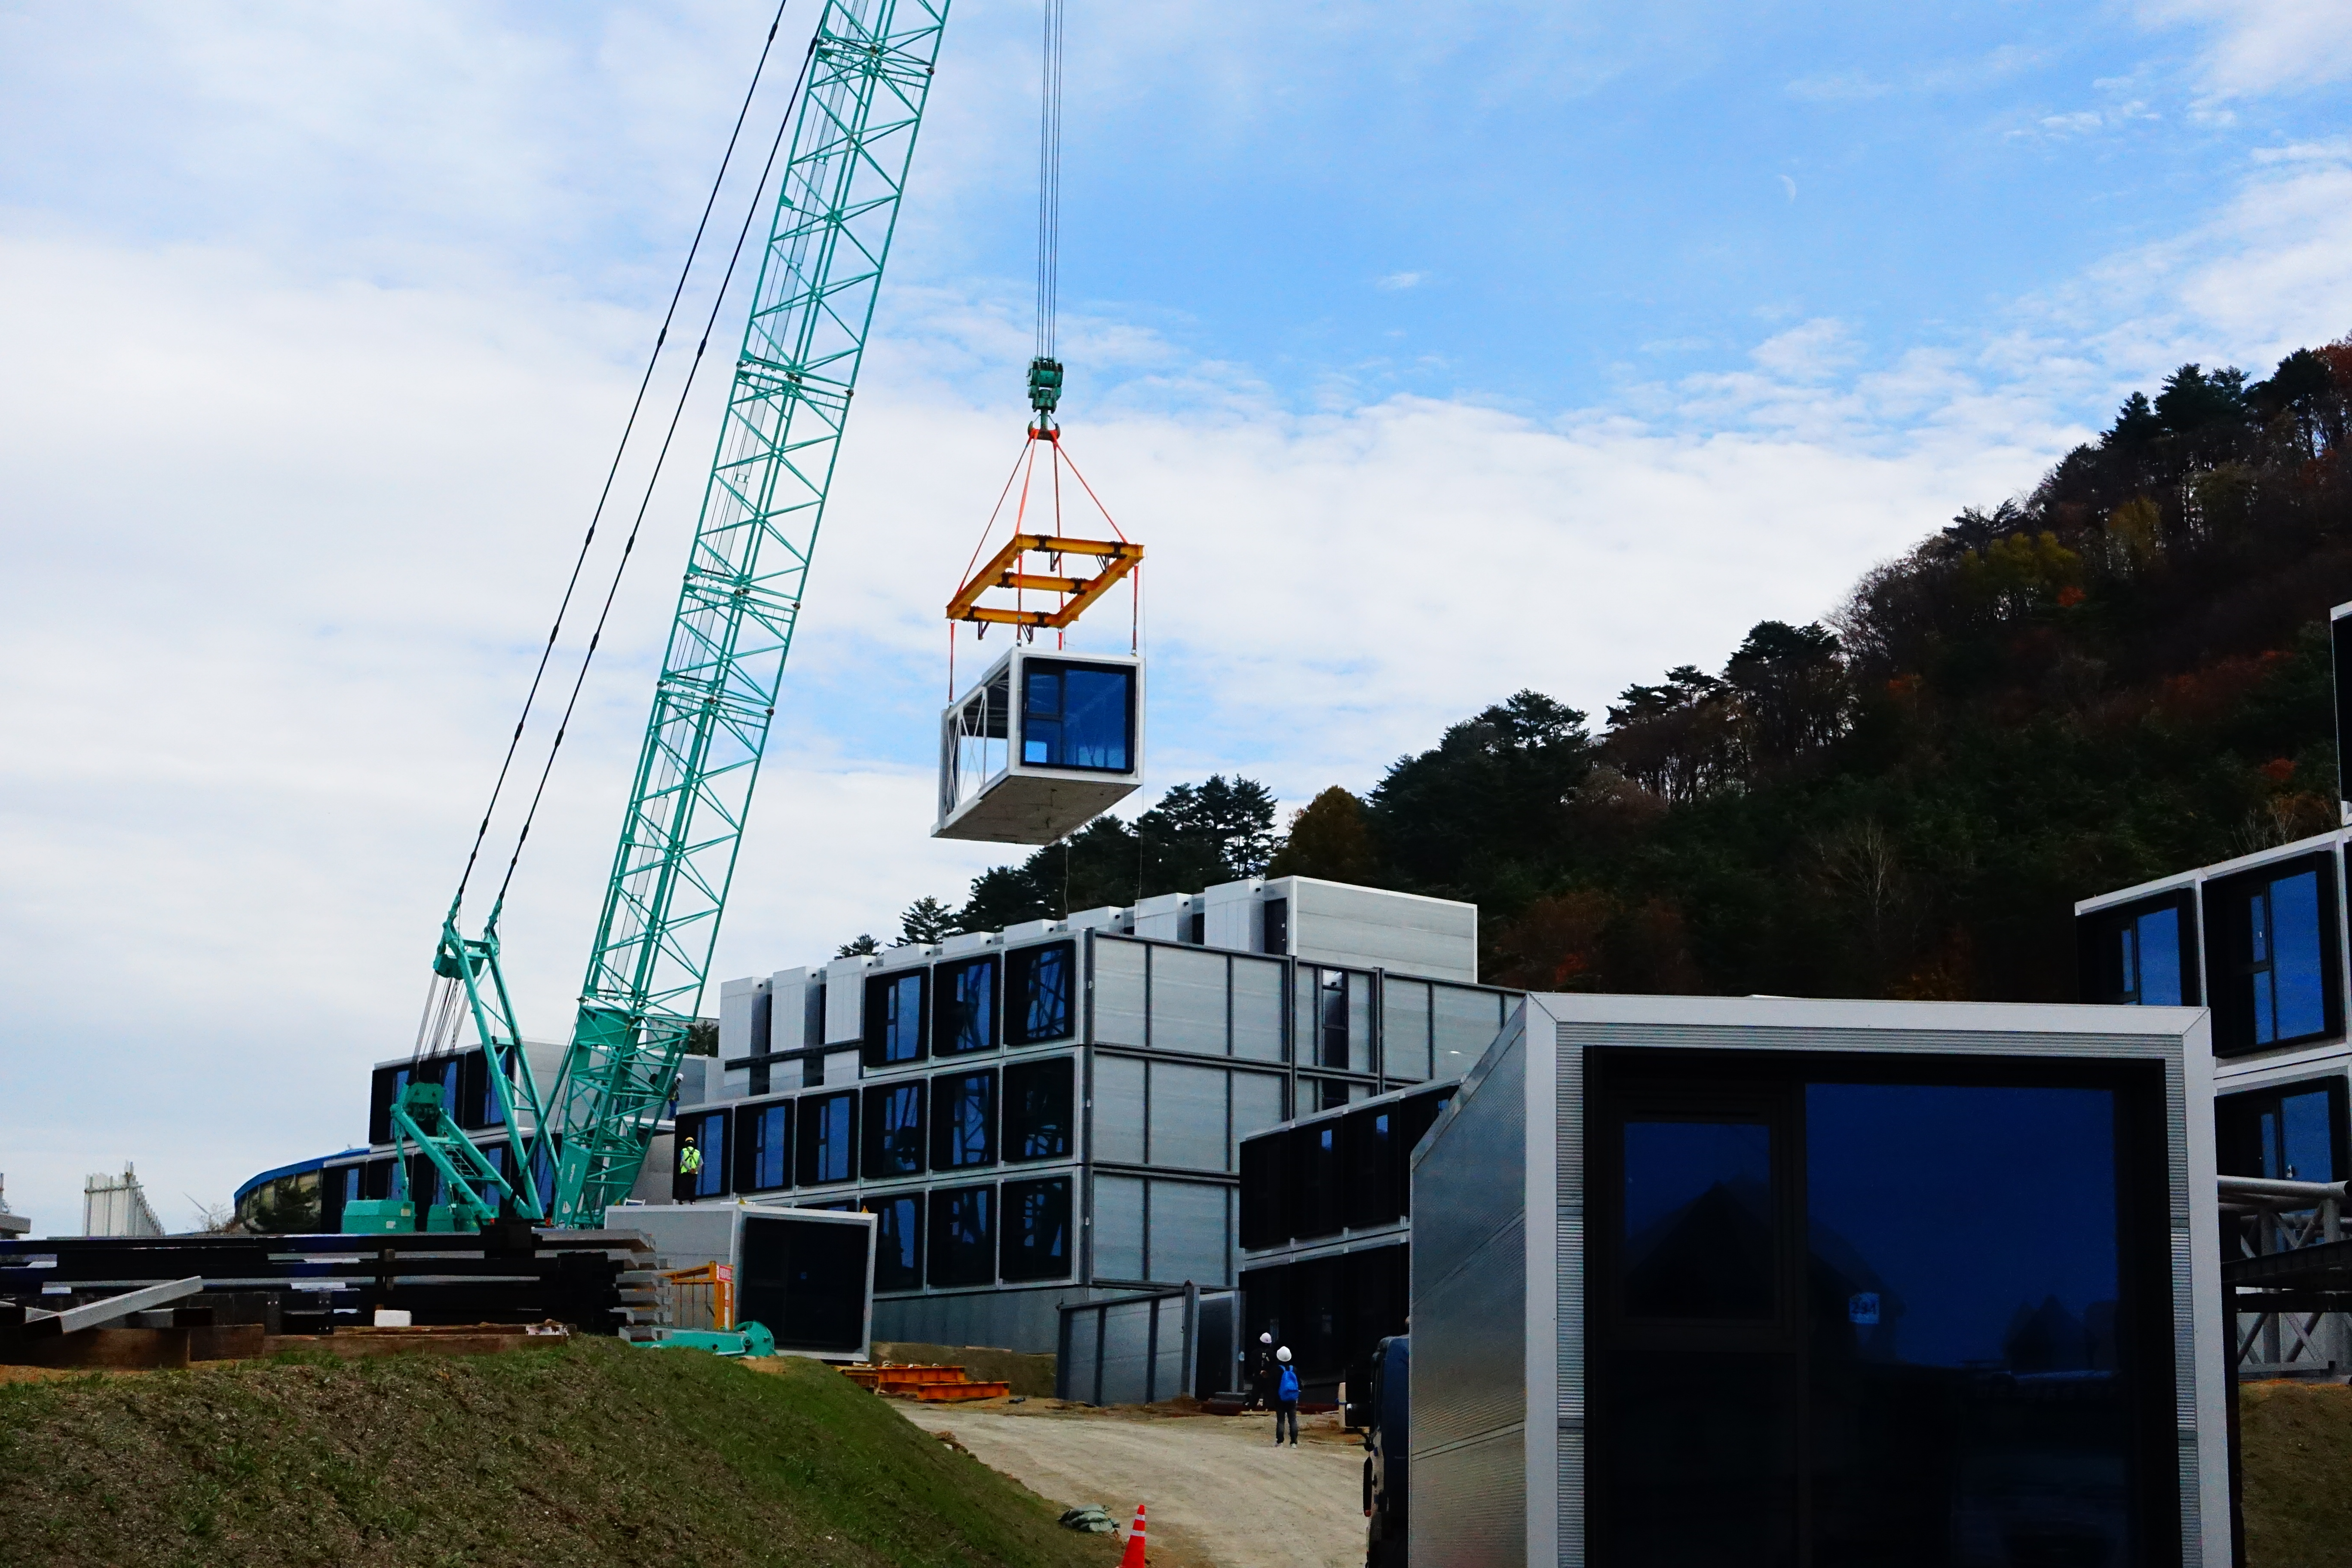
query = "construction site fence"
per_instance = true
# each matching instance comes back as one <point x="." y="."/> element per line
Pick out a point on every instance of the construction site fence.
<point x="1148" y="1347"/>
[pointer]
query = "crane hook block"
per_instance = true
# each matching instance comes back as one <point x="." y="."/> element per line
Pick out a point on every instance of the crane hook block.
<point x="1044" y="384"/>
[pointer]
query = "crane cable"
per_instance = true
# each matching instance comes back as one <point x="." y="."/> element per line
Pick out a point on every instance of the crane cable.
<point x="612" y="471"/>
<point x="441" y="1015"/>
<point x="677" y="412"/>
<point x="1049" y="181"/>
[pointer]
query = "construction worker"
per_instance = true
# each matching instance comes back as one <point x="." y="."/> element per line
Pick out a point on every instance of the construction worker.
<point x="1285" y="1397"/>
<point x="1262" y="1374"/>
<point x="689" y="1164"/>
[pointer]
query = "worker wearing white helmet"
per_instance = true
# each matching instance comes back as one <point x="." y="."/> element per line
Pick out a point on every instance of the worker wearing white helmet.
<point x="1261" y="1373"/>
<point x="1286" y="1397"/>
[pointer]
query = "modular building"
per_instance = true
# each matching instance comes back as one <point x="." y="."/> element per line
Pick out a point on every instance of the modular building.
<point x="1052" y="1114"/>
<point x="1761" y="1280"/>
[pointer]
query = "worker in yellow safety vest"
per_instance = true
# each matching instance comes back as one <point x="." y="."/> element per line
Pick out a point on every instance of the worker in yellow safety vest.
<point x="689" y="1159"/>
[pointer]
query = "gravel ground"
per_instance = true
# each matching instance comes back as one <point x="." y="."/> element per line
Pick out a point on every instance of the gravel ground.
<point x="1220" y="1494"/>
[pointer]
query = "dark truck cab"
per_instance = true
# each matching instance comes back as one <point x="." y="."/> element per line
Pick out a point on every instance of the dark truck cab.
<point x="1384" y="1412"/>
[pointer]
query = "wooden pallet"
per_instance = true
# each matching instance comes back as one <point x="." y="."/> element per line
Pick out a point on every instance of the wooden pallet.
<point x="930" y="1384"/>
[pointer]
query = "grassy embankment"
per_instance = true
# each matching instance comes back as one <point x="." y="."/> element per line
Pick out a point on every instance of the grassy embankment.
<point x="591" y="1455"/>
<point x="2297" y="1445"/>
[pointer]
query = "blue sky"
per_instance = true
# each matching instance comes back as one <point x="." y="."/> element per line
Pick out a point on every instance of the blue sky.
<point x="1433" y="352"/>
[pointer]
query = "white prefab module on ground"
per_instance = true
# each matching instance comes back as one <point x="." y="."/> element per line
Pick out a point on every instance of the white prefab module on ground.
<point x="1762" y="1280"/>
<point x="1041" y="744"/>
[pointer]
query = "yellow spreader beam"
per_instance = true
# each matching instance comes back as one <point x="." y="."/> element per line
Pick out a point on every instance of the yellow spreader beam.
<point x="1119" y="557"/>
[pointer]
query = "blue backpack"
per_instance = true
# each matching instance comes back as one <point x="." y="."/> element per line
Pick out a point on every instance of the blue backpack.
<point x="1288" y="1387"/>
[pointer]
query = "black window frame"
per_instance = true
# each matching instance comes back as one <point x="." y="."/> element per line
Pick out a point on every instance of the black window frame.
<point x="947" y="1086"/>
<point x="951" y="1264"/>
<point x="1059" y="1077"/>
<point x="1265" y="1203"/>
<point x="2231" y="973"/>
<point x="888" y="1209"/>
<point x="1060" y="669"/>
<point x="1015" y="1262"/>
<point x="885" y="994"/>
<point x="807" y="1145"/>
<point x="749" y="1116"/>
<point x="714" y="1180"/>
<point x="2235" y="1136"/>
<point x="1021" y="964"/>
<point x="1317" y="1207"/>
<point x="2097" y="947"/>
<point x="946" y="1016"/>
<point x="1622" y="1082"/>
<point x="888" y="1151"/>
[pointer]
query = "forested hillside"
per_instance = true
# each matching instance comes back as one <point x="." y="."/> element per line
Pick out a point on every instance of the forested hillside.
<point x="2121" y="674"/>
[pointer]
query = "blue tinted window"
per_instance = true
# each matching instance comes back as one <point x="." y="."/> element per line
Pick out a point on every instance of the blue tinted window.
<point x="1698" y="1231"/>
<point x="712" y="1179"/>
<point x="894" y="1129"/>
<point x="965" y="1106"/>
<point x="768" y="1134"/>
<point x="967" y="1012"/>
<point x="2157" y="938"/>
<point x="963" y="1236"/>
<point x="1073" y="716"/>
<point x="1038" y="1103"/>
<point x="1037" y="1000"/>
<point x="898" y="1242"/>
<point x="2297" y="1143"/>
<point x="2296" y="958"/>
<point x="1965" y="1358"/>
<point x="828" y="1139"/>
<point x="894" y="1025"/>
<point x="1037" y="1229"/>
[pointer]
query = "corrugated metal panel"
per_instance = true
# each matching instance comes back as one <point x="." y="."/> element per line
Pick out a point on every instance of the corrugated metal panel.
<point x="1257" y="1105"/>
<point x="735" y="998"/>
<point x="1118" y="991"/>
<point x="1480" y="1183"/>
<point x="1119" y="1227"/>
<point x="1475" y="1372"/>
<point x="1188" y="1001"/>
<point x="1168" y="1378"/>
<point x="1188" y="1116"/>
<point x="1469" y="1504"/>
<point x="1118" y="1110"/>
<point x="1404" y="1029"/>
<point x="1073" y="1371"/>
<point x="1568" y="1151"/>
<point x="1257" y="1009"/>
<point x="1337" y="923"/>
<point x="1190" y="1234"/>
<point x="1465" y="1024"/>
<point x="1125" y="1352"/>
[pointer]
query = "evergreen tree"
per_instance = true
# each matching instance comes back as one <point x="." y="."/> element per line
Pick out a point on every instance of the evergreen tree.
<point x="927" y="921"/>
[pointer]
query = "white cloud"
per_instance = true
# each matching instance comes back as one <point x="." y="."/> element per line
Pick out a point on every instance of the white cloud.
<point x="2256" y="47"/>
<point x="1398" y="281"/>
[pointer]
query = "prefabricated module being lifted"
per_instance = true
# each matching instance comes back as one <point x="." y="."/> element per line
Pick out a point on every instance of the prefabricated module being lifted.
<point x="1043" y="743"/>
<point x="853" y="115"/>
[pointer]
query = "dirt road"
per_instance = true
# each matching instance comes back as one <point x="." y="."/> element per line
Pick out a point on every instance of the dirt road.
<point x="1220" y="1494"/>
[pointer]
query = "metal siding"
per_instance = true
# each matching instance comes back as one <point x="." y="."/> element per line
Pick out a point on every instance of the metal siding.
<point x="735" y="999"/>
<point x="1117" y="1098"/>
<point x="1368" y="928"/>
<point x="1188" y="1117"/>
<point x="845" y="1001"/>
<point x="1118" y="991"/>
<point x="1257" y="1105"/>
<point x="1188" y="1001"/>
<point x="1230" y="918"/>
<point x="1258" y="1008"/>
<point x="1074" y="1367"/>
<point x="1168" y="1378"/>
<point x="1404" y="1028"/>
<point x="1189" y="1239"/>
<point x="1126" y="1352"/>
<point x="1468" y="1305"/>
<point x="1465" y="1024"/>
<point x="1568" y="1151"/>
<point x="1119" y="1227"/>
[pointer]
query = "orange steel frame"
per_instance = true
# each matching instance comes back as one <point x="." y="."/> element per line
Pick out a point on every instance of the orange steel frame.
<point x="1119" y="557"/>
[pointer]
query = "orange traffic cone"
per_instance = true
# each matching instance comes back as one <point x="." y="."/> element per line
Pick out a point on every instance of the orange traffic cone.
<point x="1133" y="1558"/>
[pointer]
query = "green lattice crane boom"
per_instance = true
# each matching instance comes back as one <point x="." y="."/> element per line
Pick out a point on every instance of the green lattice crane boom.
<point x="868" y="76"/>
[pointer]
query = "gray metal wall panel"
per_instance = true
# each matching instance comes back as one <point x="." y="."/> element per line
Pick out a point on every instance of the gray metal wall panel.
<point x="1480" y="1183"/>
<point x="1118" y="990"/>
<point x="1257" y="1105"/>
<point x="1168" y="1378"/>
<point x="1119" y="1227"/>
<point x="1568" y="1152"/>
<point x="845" y="1000"/>
<point x="1257" y="1009"/>
<point x="1024" y="1320"/>
<point x="1073" y="1371"/>
<point x="1125" y="1352"/>
<point x="1118" y="1114"/>
<point x="1466" y="1023"/>
<point x="1404" y="1029"/>
<point x="1188" y="1001"/>
<point x="1469" y="1504"/>
<point x="1368" y="928"/>
<point x="1190" y="1234"/>
<point x="1188" y="1117"/>
<point x="1468" y="1351"/>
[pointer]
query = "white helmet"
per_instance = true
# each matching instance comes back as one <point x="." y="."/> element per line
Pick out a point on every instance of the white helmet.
<point x="1282" y="1354"/>
<point x="1266" y="1338"/>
